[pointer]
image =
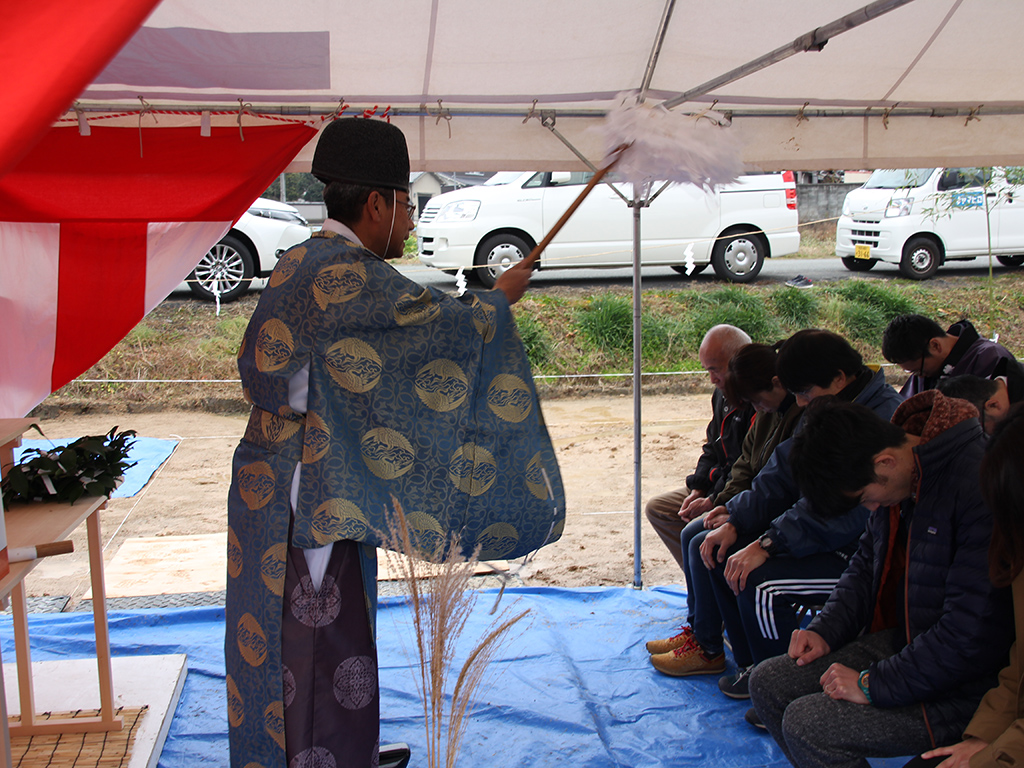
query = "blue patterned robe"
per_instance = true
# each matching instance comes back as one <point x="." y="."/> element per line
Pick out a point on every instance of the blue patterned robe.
<point x="414" y="396"/>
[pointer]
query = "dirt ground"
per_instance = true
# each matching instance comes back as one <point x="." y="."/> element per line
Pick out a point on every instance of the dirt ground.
<point x="593" y="437"/>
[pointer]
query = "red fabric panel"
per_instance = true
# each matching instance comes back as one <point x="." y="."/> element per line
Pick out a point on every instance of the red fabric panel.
<point x="97" y="307"/>
<point x="166" y="174"/>
<point x="50" y="51"/>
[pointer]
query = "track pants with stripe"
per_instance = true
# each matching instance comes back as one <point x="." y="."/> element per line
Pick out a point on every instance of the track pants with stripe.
<point x="760" y="620"/>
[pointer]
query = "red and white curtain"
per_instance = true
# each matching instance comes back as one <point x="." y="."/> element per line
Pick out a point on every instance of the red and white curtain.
<point x="96" y="230"/>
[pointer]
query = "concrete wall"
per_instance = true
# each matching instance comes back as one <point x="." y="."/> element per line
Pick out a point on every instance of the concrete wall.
<point x="815" y="202"/>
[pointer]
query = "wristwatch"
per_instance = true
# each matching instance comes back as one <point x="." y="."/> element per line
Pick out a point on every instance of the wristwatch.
<point x="767" y="544"/>
<point x="862" y="683"/>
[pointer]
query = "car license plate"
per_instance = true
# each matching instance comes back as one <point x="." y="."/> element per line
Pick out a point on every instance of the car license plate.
<point x="862" y="251"/>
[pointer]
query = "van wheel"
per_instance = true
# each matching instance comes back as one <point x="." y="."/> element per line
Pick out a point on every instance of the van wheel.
<point x="920" y="258"/>
<point x="1010" y="261"/>
<point x="681" y="269"/>
<point x="858" y="265"/>
<point x="739" y="258"/>
<point x="497" y="254"/>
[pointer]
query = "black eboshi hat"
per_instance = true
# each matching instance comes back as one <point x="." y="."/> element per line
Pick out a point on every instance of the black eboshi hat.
<point x="363" y="151"/>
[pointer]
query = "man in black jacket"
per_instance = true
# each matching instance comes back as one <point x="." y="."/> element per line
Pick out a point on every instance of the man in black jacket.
<point x="678" y="512"/>
<point x="914" y="633"/>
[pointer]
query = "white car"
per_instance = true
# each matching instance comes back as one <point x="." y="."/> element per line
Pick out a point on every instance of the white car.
<point x="920" y="218"/>
<point x="487" y="228"/>
<point x="249" y="250"/>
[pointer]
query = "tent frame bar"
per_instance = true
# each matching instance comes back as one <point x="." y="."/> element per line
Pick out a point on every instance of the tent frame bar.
<point x="814" y="40"/>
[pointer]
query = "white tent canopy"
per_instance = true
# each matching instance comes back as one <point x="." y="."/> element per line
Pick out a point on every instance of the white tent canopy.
<point x="931" y="82"/>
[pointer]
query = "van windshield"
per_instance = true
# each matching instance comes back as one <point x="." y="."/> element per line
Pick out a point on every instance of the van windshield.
<point x="898" y="178"/>
<point x="502" y="177"/>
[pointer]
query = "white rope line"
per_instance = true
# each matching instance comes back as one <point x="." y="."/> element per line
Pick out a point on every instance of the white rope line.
<point x="538" y="376"/>
<point x="139" y="497"/>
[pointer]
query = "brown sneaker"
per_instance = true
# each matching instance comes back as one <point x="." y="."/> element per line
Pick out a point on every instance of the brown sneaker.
<point x="687" y="660"/>
<point x="671" y="643"/>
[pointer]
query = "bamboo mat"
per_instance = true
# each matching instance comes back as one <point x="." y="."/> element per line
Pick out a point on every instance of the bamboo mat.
<point x="78" y="750"/>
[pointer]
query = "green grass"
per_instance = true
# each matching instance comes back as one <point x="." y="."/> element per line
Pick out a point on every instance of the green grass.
<point x="566" y="333"/>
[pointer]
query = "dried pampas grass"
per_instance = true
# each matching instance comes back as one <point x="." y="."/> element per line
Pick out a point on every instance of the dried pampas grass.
<point x="661" y="145"/>
<point x="441" y="602"/>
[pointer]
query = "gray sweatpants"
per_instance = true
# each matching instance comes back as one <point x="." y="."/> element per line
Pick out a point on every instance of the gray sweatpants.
<point x="816" y="731"/>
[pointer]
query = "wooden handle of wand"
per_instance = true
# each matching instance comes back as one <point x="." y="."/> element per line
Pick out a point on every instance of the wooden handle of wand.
<point x="594" y="181"/>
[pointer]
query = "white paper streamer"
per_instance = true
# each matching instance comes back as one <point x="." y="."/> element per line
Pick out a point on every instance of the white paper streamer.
<point x="667" y="146"/>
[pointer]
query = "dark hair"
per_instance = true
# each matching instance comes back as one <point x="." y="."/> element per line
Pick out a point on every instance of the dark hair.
<point x="814" y="357"/>
<point x="751" y="371"/>
<point x="344" y="201"/>
<point x="1002" y="487"/>
<point x="906" y="337"/>
<point x="974" y="389"/>
<point x="833" y="454"/>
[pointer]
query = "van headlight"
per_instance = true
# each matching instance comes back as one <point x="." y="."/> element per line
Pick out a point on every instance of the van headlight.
<point x="899" y="206"/>
<point x="462" y="210"/>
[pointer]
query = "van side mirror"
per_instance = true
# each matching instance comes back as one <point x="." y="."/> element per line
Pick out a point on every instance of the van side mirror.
<point x="560" y="177"/>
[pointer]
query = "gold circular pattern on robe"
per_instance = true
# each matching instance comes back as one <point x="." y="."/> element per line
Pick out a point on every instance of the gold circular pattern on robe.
<point x="273" y="721"/>
<point x="472" y="469"/>
<point x="276" y="429"/>
<point x="416" y="310"/>
<point x="274" y="345"/>
<point x="497" y="540"/>
<point x="535" y="477"/>
<point x="442" y="385"/>
<point x="337" y="519"/>
<point x="252" y="640"/>
<point x="484" y="316"/>
<point x="509" y="398"/>
<point x="387" y="453"/>
<point x="236" y="709"/>
<point x="427" y="535"/>
<point x="354" y="365"/>
<point x="338" y="283"/>
<point x="235" y="559"/>
<point x="317" y="440"/>
<point x="287" y="266"/>
<point x="272" y="567"/>
<point x="256" y="484"/>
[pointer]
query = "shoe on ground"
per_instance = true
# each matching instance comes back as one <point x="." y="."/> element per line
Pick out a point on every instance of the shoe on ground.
<point x="752" y="718"/>
<point x="736" y="685"/>
<point x="799" y="282"/>
<point x="688" y="659"/>
<point x="670" y="643"/>
<point x="394" y="755"/>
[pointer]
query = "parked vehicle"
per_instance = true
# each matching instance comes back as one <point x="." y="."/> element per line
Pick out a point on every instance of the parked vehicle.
<point x="920" y="218"/>
<point x="249" y="250"/>
<point x="487" y="228"/>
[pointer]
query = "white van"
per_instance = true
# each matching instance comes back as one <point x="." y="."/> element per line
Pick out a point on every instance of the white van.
<point x="492" y="226"/>
<point x="920" y="218"/>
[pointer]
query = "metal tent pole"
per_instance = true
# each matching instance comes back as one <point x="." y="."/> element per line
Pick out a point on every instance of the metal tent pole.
<point x="637" y="359"/>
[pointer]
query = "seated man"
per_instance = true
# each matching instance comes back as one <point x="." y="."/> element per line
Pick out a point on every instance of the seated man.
<point x="675" y="514"/>
<point x="914" y="633"/>
<point x="921" y="348"/>
<point x="784" y="553"/>
<point x="992" y="397"/>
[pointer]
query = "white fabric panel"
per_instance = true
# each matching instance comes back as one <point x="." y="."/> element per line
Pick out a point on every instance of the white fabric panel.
<point x="28" y="314"/>
<point x="574" y="56"/>
<point x="172" y="251"/>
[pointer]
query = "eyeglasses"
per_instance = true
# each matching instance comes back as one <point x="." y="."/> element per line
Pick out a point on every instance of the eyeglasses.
<point x="410" y="208"/>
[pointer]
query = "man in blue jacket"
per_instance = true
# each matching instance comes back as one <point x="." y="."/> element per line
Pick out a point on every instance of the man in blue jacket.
<point x="914" y="633"/>
<point x="783" y="555"/>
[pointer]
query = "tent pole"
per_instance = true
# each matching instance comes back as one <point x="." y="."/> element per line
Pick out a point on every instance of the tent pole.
<point x="637" y="431"/>
<point x="812" y="41"/>
<point x="652" y="61"/>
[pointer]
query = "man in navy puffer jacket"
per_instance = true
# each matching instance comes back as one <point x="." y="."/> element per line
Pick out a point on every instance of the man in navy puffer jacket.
<point x="914" y="633"/>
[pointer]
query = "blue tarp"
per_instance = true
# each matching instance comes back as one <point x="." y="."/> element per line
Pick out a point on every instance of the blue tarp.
<point x="573" y="688"/>
<point x="148" y="453"/>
